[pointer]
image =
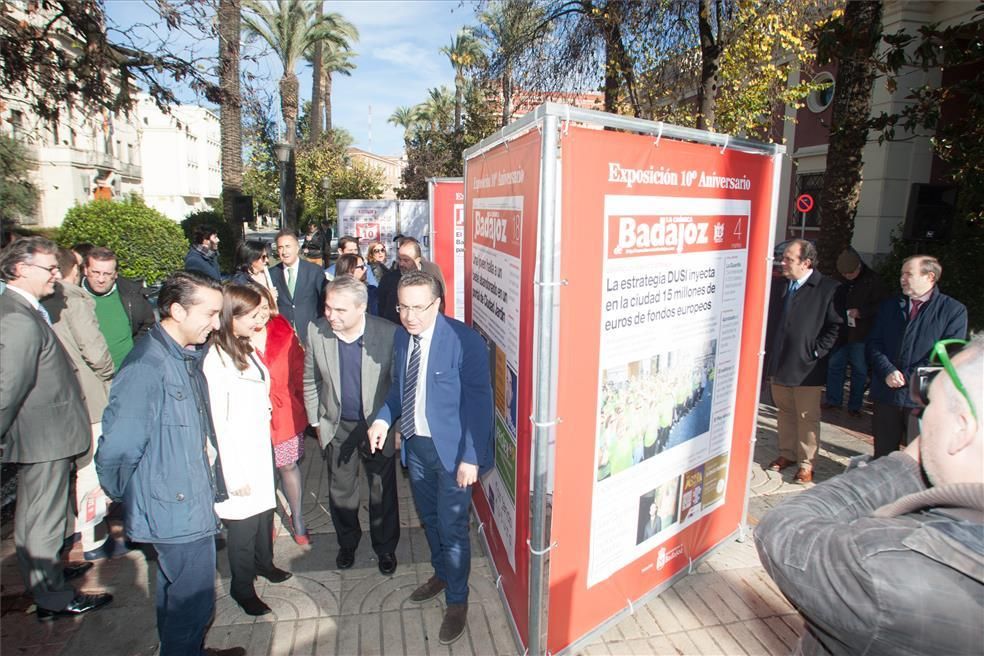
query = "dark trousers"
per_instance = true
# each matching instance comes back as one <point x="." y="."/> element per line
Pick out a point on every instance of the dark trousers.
<point x="39" y="530"/>
<point x="249" y="544"/>
<point x="345" y="452"/>
<point x="893" y="426"/>
<point x="443" y="510"/>
<point x="185" y="595"/>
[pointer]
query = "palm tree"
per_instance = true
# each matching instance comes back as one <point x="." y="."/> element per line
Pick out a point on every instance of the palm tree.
<point x="438" y="109"/>
<point x="289" y="28"/>
<point x="506" y="28"/>
<point x="334" y="59"/>
<point x="230" y="106"/>
<point x="464" y="52"/>
<point x="406" y="118"/>
<point x="326" y="59"/>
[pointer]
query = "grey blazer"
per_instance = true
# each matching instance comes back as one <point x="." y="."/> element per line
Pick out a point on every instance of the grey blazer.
<point x="322" y="398"/>
<point x="42" y="410"/>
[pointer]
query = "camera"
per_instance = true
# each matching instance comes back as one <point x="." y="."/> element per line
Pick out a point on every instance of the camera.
<point x="919" y="385"/>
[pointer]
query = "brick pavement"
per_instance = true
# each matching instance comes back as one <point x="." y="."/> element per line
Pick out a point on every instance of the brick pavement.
<point x="728" y="605"/>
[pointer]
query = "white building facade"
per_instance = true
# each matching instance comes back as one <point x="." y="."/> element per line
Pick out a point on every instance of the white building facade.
<point x="181" y="154"/>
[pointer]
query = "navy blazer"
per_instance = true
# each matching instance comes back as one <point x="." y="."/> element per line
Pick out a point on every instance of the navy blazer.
<point x="308" y="301"/>
<point x="895" y="343"/>
<point x="459" y="394"/>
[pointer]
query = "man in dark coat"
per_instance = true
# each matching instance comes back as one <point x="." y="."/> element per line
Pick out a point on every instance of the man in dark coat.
<point x="905" y="331"/>
<point x="44" y="425"/>
<point x="203" y="255"/>
<point x="803" y="328"/>
<point x="300" y="285"/>
<point x="858" y="299"/>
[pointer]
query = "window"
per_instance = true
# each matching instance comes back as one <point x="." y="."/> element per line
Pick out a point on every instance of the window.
<point x="17" y="124"/>
<point x="820" y="100"/>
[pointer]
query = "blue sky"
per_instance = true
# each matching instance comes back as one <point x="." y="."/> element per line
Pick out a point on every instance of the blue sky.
<point x="398" y="60"/>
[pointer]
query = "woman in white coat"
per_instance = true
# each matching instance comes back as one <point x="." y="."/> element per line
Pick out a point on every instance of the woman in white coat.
<point x="238" y="387"/>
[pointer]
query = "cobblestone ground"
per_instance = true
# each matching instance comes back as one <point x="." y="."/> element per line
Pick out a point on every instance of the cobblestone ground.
<point x="728" y="605"/>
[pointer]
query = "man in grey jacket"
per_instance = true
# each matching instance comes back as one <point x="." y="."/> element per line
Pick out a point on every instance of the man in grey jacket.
<point x="44" y="426"/>
<point x="888" y="558"/>
<point x="347" y="375"/>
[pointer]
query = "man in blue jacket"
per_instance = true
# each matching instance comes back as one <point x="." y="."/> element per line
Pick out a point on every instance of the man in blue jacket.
<point x="901" y="341"/>
<point x="442" y="394"/>
<point x="203" y="256"/>
<point x="155" y="454"/>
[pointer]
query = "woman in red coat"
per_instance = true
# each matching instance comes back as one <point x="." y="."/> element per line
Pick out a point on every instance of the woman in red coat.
<point x="281" y="352"/>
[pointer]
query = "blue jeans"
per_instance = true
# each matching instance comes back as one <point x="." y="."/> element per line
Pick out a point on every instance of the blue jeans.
<point x="443" y="510"/>
<point x="852" y="354"/>
<point x="185" y="595"/>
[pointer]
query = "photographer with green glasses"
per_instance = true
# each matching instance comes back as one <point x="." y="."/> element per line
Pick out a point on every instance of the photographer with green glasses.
<point x="888" y="557"/>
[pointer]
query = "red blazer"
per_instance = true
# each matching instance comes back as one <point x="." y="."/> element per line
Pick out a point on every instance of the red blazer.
<point x="284" y="358"/>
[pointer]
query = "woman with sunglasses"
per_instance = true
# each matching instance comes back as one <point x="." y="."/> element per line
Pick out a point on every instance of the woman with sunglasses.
<point x="355" y="266"/>
<point x="251" y="265"/>
<point x="377" y="259"/>
<point x="239" y="396"/>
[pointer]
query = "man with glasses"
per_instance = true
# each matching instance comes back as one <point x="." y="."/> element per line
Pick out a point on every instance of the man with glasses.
<point x="44" y="425"/>
<point x="123" y="312"/>
<point x="888" y="557"/>
<point x="900" y="342"/>
<point x="442" y="397"/>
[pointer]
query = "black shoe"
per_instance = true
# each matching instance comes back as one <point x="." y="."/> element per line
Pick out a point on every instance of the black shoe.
<point x="75" y="570"/>
<point x="276" y="575"/>
<point x="345" y="558"/>
<point x="82" y="603"/>
<point x="387" y="564"/>
<point x="231" y="651"/>
<point x="254" y="606"/>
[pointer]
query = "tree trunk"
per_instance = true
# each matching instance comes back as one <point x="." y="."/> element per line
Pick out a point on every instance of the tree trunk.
<point x="326" y="86"/>
<point x="314" y="118"/>
<point x="459" y="98"/>
<point x="506" y="95"/>
<point x="710" y="58"/>
<point x="230" y="110"/>
<point x="288" y="108"/>
<point x="849" y="130"/>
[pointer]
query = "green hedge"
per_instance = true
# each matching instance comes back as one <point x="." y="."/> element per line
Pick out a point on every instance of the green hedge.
<point x="148" y="244"/>
<point x="229" y="236"/>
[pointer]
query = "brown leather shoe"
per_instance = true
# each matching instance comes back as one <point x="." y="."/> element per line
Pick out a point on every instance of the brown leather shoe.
<point x="455" y="619"/>
<point x="429" y="590"/>
<point x="804" y="475"/>
<point x="780" y="463"/>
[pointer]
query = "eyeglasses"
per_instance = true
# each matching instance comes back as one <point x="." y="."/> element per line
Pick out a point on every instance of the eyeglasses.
<point x="52" y="270"/>
<point x="939" y="354"/>
<point x="373" y="251"/>
<point x="360" y="266"/>
<point x="416" y="310"/>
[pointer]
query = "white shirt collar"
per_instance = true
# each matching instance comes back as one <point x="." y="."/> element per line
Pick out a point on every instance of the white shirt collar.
<point x="26" y="294"/>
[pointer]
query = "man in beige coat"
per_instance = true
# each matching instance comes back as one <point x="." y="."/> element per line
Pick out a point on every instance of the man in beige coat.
<point x="73" y="318"/>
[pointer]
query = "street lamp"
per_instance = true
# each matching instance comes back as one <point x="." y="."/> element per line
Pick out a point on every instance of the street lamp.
<point x="282" y="151"/>
<point x="326" y="188"/>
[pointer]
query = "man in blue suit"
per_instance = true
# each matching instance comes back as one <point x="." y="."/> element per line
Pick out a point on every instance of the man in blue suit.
<point x="300" y="285"/>
<point x="442" y="395"/>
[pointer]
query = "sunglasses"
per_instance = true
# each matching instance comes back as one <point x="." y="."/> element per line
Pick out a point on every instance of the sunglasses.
<point x="939" y="357"/>
<point x="373" y="251"/>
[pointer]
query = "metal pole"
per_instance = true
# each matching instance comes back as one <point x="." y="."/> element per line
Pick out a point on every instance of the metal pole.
<point x="283" y="193"/>
<point x="543" y="406"/>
